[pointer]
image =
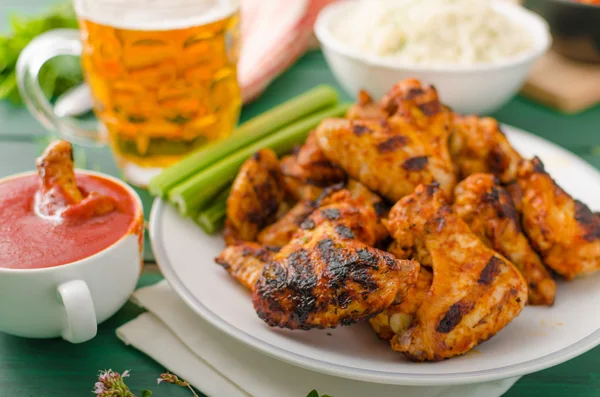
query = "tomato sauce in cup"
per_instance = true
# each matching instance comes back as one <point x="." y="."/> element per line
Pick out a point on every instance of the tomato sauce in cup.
<point x="31" y="241"/>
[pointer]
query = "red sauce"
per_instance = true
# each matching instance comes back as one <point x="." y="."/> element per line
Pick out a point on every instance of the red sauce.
<point x="28" y="241"/>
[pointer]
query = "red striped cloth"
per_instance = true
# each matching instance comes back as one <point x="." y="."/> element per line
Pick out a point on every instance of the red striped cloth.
<point x="275" y="33"/>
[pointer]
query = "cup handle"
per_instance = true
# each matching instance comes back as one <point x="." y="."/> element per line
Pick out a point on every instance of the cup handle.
<point x="81" y="322"/>
<point x="39" y="51"/>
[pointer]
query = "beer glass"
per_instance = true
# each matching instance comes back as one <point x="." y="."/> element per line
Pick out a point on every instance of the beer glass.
<point x="162" y="74"/>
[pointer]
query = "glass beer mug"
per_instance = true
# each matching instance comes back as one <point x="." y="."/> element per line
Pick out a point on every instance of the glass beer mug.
<point x="162" y="74"/>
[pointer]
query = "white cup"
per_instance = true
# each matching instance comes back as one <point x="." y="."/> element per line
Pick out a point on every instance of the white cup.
<point x="70" y="300"/>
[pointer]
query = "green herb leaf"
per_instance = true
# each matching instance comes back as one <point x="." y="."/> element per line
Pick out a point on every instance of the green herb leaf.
<point x="57" y="75"/>
<point x="146" y="393"/>
<point x="315" y="393"/>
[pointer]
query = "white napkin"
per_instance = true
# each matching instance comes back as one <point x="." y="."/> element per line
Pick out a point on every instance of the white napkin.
<point x="175" y="336"/>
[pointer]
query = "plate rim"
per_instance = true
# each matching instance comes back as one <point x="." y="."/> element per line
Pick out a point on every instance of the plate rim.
<point x="367" y="375"/>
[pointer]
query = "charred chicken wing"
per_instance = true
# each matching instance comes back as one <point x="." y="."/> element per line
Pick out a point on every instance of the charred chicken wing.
<point x="256" y="197"/>
<point x="479" y="146"/>
<point x="475" y="291"/>
<point x="488" y="210"/>
<point x="328" y="275"/>
<point x="563" y="230"/>
<point x="392" y="157"/>
<point x="59" y="194"/>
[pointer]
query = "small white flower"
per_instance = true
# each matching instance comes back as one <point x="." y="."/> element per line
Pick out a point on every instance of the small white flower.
<point x="125" y="373"/>
<point x="159" y="380"/>
<point x="99" y="388"/>
<point x="104" y="375"/>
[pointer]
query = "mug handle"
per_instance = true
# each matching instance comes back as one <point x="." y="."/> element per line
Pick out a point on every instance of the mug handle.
<point x="39" y="51"/>
<point x="81" y="324"/>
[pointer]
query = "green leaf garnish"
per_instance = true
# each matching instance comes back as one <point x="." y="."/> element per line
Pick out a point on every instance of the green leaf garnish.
<point x="57" y="75"/>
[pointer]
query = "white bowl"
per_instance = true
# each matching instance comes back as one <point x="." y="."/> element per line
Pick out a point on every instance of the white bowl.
<point x="70" y="300"/>
<point x="469" y="89"/>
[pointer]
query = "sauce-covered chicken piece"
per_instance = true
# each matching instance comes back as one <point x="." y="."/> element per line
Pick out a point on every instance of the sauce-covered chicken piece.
<point x="488" y="210"/>
<point x="391" y="157"/>
<point x="475" y="291"/>
<point x="59" y="195"/>
<point x="564" y="231"/>
<point x="479" y="146"/>
<point x="329" y="275"/>
<point x="256" y="197"/>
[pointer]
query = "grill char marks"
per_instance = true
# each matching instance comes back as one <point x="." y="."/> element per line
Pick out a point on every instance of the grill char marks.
<point x="415" y="163"/>
<point x="453" y="316"/>
<point x="392" y="144"/>
<point x="490" y="271"/>
<point x="329" y="275"/>
<point x="360" y="129"/>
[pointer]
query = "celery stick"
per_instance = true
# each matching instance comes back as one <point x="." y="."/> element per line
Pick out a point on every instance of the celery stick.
<point x="212" y="219"/>
<point x="251" y="131"/>
<point x="197" y="191"/>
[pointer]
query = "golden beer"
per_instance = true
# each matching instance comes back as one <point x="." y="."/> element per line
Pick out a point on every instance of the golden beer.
<point x="161" y="93"/>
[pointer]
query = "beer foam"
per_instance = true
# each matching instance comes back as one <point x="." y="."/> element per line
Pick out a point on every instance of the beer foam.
<point x="155" y="14"/>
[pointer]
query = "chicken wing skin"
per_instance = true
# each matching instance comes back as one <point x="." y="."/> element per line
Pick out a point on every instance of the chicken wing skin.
<point x="479" y="146"/>
<point x="281" y="232"/>
<point x="363" y="195"/>
<point x="365" y="109"/>
<point x="410" y="100"/>
<point x="563" y="230"/>
<point x="308" y="171"/>
<point x="488" y="210"/>
<point x="255" y="199"/>
<point x="59" y="195"/>
<point x="475" y="291"/>
<point x="245" y="261"/>
<point x="328" y="275"/>
<point x="398" y="317"/>
<point x="394" y="156"/>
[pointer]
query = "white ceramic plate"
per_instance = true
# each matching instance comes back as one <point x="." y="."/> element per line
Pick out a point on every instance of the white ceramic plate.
<point x="539" y="338"/>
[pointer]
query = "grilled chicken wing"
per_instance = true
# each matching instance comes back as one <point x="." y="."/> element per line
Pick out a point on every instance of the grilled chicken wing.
<point x="280" y="233"/>
<point x="245" y="261"/>
<point x="488" y="210"/>
<point x="308" y="171"/>
<point x="255" y="199"/>
<point x="398" y="317"/>
<point x="475" y="291"/>
<point x="329" y="275"/>
<point x="479" y="146"/>
<point x="394" y="156"/>
<point x="563" y="230"/>
<point x="59" y="194"/>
